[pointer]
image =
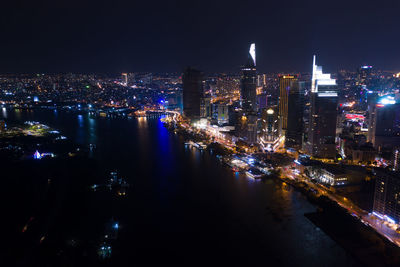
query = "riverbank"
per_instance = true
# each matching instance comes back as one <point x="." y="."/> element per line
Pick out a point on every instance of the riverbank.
<point x="361" y="241"/>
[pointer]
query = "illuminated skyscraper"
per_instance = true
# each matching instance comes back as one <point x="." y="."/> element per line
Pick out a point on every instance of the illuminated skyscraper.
<point x="286" y="84"/>
<point x="385" y="125"/>
<point x="324" y="102"/>
<point x="386" y="198"/>
<point x="248" y="82"/>
<point x="192" y="91"/>
<point x="269" y="137"/>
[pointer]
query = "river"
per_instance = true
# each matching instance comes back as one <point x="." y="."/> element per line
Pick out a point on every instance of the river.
<point x="184" y="207"/>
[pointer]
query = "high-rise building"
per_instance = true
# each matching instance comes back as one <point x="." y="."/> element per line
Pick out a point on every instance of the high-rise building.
<point x="372" y="99"/>
<point x="248" y="82"/>
<point x="269" y="137"/>
<point x="322" y="126"/>
<point x="286" y="84"/>
<point x="385" y="125"/>
<point x="192" y="80"/>
<point x="387" y="195"/>
<point x="294" y="130"/>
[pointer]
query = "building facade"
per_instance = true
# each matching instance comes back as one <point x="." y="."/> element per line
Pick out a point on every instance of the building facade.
<point x="269" y="137"/>
<point x="286" y="84"/>
<point x="192" y="80"/>
<point x="248" y="82"/>
<point x="387" y="195"/>
<point x="323" y="115"/>
<point x="295" y="124"/>
<point x="385" y="129"/>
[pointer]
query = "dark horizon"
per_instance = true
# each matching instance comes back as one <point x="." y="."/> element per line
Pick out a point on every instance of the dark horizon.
<point x="77" y="37"/>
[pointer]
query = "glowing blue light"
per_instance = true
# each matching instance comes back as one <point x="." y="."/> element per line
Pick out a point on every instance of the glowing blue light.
<point x="377" y="215"/>
<point x="389" y="219"/>
<point x="37" y="155"/>
<point x="388" y="100"/>
<point x="116" y="226"/>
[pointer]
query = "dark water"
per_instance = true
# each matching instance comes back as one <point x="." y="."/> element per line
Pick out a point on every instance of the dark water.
<point x="184" y="207"/>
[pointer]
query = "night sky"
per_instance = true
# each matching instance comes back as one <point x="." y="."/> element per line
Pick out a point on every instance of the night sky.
<point x="165" y="36"/>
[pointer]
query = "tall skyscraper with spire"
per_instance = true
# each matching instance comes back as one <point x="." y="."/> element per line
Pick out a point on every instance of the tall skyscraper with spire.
<point x="246" y="127"/>
<point x="324" y="102"/>
<point x="248" y="82"/>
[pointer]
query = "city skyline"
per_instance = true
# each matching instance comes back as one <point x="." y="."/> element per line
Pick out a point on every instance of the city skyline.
<point x="178" y="132"/>
<point x="166" y="37"/>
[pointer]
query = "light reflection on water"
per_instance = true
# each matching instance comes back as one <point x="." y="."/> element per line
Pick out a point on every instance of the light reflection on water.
<point x="4" y="113"/>
<point x="185" y="200"/>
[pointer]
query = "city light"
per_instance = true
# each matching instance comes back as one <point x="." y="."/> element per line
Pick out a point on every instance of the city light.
<point x="387" y="100"/>
<point x="37" y="155"/>
<point x="252" y="52"/>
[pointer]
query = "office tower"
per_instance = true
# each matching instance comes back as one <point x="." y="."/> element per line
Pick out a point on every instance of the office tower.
<point x="324" y="102"/>
<point x="372" y="99"/>
<point x="386" y="198"/>
<point x="294" y="130"/>
<point x="192" y="80"/>
<point x="269" y="137"/>
<point x="385" y="127"/>
<point x="286" y="84"/>
<point x="248" y="82"/>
